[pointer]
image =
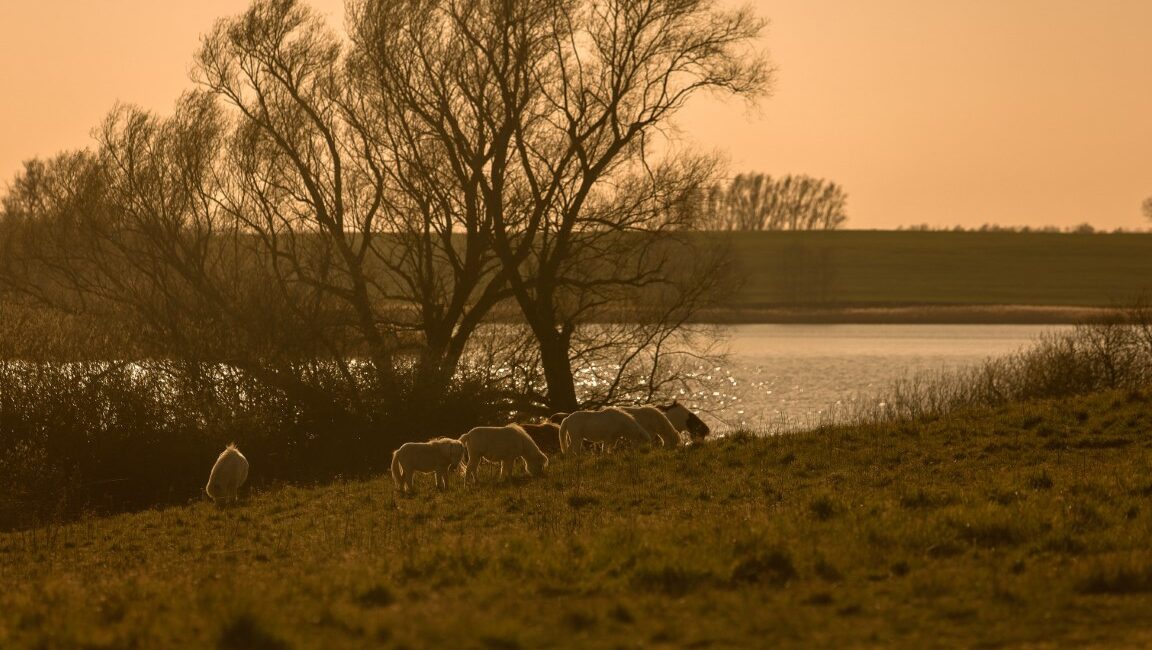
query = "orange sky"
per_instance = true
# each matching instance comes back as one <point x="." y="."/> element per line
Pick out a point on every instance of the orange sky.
<point x="1016" y="112"/>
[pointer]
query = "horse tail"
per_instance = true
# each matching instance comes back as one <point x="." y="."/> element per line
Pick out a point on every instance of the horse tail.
<point x="466" y="457"/>
<point x="566" y="438"/>
<point x="397" y="470"/>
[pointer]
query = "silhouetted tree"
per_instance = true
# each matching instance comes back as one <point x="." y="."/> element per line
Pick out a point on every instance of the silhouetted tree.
<point x="761" y="202"/>
<point x="338" y="195"/>
<point x="538" y="120"/>
<point x="1146" y="207"/>
<point x="362" y="199"/>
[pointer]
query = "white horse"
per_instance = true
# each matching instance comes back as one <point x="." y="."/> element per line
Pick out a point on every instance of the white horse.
<point x="437" y="455"/>
<point x="656" y="423"/>
<point x="502" y="445"/>
<point x="228" y="474"/>
<point x="684" y="420"/>
<point x="606" y="426"/>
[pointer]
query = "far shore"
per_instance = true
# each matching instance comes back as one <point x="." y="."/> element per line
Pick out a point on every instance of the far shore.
<point x="911" y="314"/>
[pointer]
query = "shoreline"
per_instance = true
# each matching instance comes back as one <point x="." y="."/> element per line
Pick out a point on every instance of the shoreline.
<point x="910" y="315"/>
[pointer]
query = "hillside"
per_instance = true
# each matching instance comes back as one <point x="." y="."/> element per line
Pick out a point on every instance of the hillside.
<point x="907" y="272"/>
<point x="1028" y="525"/>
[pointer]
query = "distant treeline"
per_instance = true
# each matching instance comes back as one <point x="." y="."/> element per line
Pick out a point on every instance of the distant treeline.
<point x="764" y="202"/>
<point x="1079" y="229"/>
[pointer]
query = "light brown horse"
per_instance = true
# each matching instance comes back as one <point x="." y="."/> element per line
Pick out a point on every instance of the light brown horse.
<point x="606" y="426"/>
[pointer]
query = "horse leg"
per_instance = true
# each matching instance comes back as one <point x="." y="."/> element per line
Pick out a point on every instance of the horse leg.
<point x="576" y="444"/>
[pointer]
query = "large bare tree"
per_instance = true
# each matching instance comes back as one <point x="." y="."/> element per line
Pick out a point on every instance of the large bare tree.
<point x="325" y="164"/>
<point x="543" y="118"/>
<point x="454" y="161"/>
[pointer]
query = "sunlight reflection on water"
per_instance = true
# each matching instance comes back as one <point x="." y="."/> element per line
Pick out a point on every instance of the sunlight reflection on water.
<point x="788" y="377"/>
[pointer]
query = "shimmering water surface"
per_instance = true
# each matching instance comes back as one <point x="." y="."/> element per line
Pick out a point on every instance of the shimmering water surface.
<point x="784" y="377"/>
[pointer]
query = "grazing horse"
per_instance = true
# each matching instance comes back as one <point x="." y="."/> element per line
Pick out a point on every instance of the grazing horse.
<point x="606" y="426"/>
<point x="437" y="456"/>
<point x="546" y="435"/>
<point x="502" y="445"/>
<point x="684" y="420"/>
<point x="656" y="423"/>
<point x="228" y="474"/>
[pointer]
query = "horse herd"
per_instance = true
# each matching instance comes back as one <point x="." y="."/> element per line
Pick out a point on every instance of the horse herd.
<point x="664" y="425"/>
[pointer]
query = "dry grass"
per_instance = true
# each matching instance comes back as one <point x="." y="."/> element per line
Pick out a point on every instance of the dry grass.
<point x="1025" y="524"/>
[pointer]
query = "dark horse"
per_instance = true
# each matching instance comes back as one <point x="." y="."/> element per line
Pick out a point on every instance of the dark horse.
<point x="684" y="420"/>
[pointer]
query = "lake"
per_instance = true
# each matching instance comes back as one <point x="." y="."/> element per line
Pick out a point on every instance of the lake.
<point x="788" y="377"/>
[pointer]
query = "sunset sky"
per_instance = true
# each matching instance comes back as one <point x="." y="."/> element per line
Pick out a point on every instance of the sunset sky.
<point x="945" y="112"/>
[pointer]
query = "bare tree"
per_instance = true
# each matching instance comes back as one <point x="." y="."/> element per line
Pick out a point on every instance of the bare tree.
<point x="339" y="163"/>
<point x="293" y="175"/>
<point x="457" y="160"/>
<point x="1146" y="207"/>
<point x="130" y="237"/>
<point x="542" y="117"/>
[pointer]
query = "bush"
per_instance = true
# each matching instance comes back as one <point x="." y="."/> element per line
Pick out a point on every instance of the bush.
<point x="108" y="436"/>
<point x="1111" y="354"/>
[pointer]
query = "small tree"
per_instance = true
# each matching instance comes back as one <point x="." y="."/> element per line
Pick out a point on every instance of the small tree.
<point x="1146" y="208"/>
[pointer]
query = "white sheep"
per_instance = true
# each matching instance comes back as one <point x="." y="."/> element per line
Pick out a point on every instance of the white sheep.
<point x="437" y="455"/>
<point x="657" y="424"/>
<point x="502" y="445"/>
<point x="606" y="426"/>
<point x="228" y="474"/>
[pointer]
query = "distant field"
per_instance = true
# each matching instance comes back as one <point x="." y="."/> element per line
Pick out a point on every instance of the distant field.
<point x="885" y="269"/>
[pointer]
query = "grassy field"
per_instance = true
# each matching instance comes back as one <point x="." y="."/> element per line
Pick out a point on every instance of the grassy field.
<point x="1027" y="525"/>
<point x="891" y="268"/>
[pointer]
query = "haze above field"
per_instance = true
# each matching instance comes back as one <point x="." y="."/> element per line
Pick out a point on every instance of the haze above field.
<point x="1020" y="112"/>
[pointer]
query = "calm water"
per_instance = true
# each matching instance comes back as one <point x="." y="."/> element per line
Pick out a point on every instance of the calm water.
<point x="781" y="377"/>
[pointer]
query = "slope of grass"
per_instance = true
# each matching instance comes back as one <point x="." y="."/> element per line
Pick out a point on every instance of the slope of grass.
<point x="848" y="268"/>
<point x="1029" y="524"/>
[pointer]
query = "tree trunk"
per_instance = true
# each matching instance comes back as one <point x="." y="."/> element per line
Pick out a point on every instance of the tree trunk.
<point x="558" y="372"/>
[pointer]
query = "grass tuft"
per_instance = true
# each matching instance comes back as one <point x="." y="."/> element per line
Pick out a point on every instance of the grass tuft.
<point x="670" y="580"/>
<point x="1116" y="578"/>
<point x="824" y="507"/>
<point x="769" y="567"/>
<point x="378" y="596"/>
<point x="243" y="632"/>
<point x="1041" y="481"/>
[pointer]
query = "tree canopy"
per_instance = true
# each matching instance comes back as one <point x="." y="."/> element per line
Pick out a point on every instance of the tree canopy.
<point x="374" y="200"/>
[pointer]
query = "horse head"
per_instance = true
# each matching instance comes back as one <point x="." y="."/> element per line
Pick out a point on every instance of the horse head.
<point x="682" y="419"/>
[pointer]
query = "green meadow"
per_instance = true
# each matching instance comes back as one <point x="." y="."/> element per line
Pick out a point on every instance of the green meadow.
<point x="893" y="268"/>
<point x="1023" y="525"/>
